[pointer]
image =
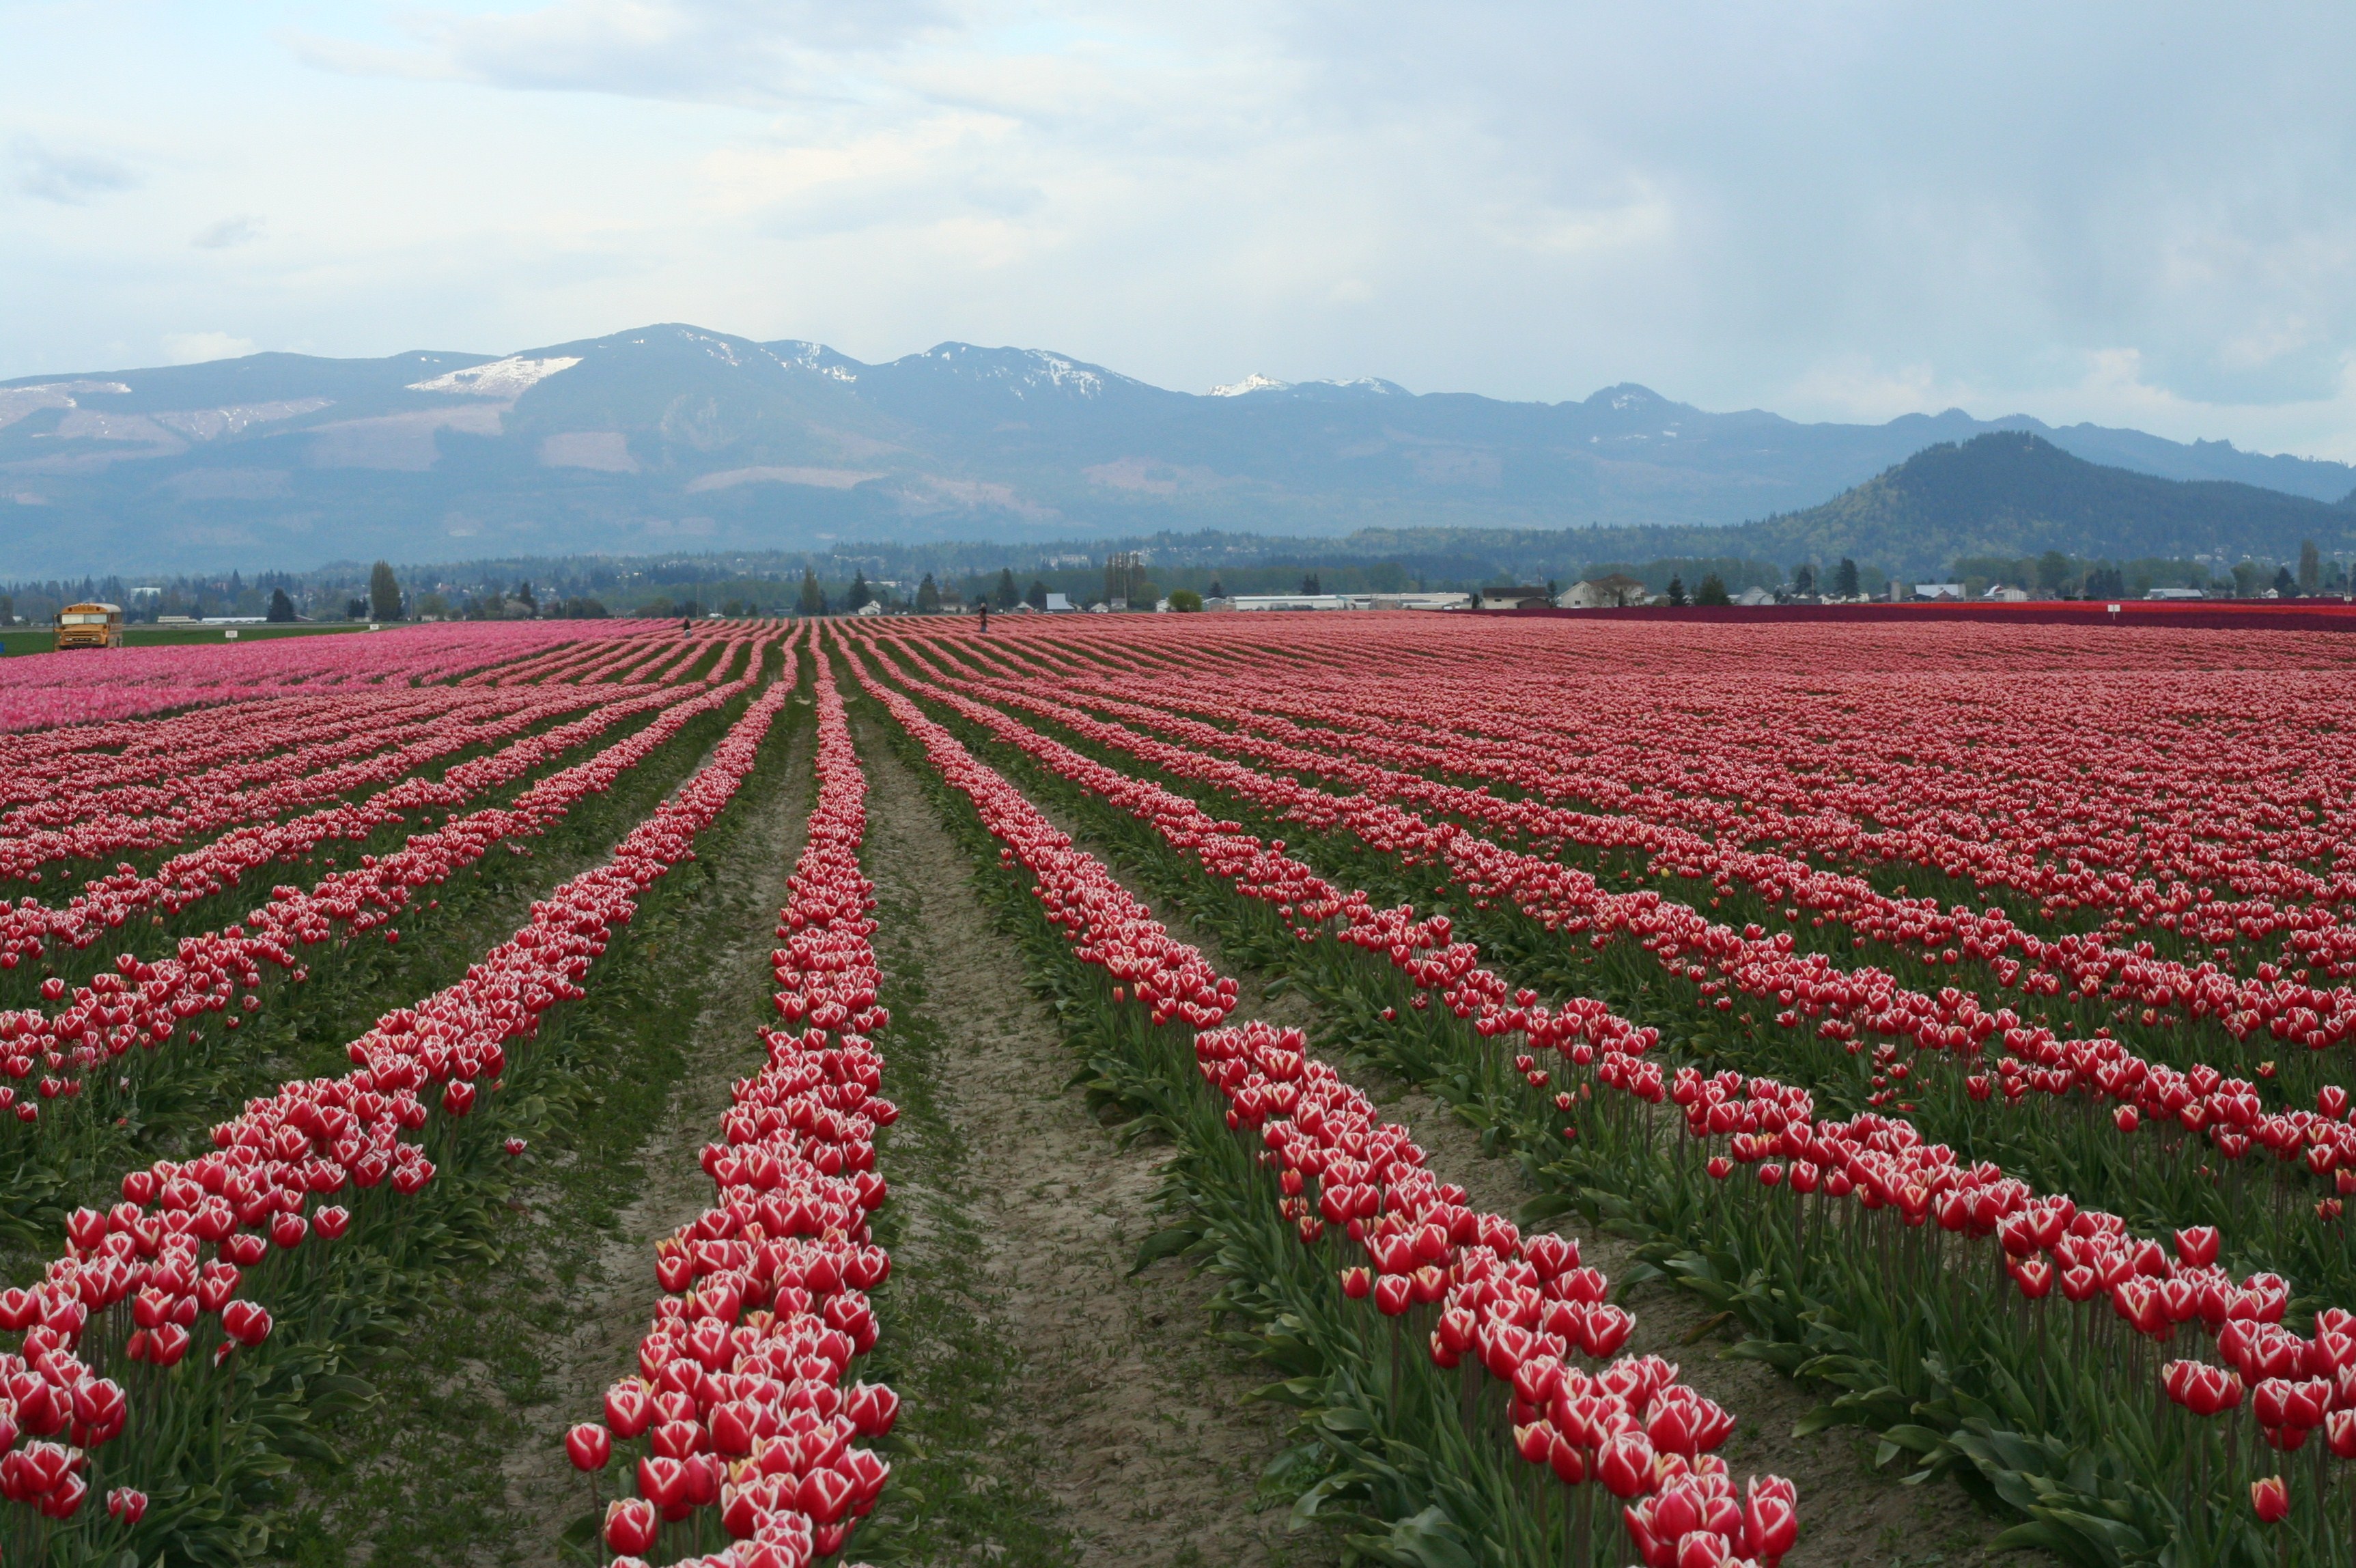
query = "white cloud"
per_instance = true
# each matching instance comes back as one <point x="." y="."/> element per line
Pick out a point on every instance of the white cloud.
<point x="198" y="347"/>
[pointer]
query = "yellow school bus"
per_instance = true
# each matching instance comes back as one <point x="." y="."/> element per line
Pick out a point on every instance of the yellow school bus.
<point x="89" y="626"/>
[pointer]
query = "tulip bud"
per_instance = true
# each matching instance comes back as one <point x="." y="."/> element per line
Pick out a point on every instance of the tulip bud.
<point x="1357" y="1284"/>
<point x="631" y="1524"/>
<point x="246" y="1322"/>
<point x="2270" y="1500"/>
<point x="589" y="1447"/>
<point x="1625" y="1465"/>
<point x="126" y="1504"/>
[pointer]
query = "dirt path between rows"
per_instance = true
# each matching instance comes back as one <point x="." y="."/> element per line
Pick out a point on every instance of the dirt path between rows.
<point x="613" y="1298"/>
<point x="1144" y="1439"/>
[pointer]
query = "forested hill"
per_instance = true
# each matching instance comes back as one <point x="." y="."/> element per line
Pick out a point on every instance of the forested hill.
<point x="2014" y="495"/>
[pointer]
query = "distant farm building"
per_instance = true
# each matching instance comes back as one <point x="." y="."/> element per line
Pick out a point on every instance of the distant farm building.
<point x="1614" y="591"/>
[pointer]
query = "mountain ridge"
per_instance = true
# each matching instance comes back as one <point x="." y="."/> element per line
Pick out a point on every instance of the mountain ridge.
<point x="675" y="435"/>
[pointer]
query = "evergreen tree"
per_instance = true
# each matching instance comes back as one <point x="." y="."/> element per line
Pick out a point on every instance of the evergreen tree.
<point x="2310" y="568"/>
<point x="282" y="608"/>
<point x="1845" y="578"/>
<point x="384" y="591"/>
<point x="1803" y="579"/>
<point x="1008" y="597"/>
<point x="1037" y="595"/>
<point x="860" y="592"/>
<point x="813" y="599"/>
<point x="1677" y="590"/>
<point x="1217" y="591"/>
<point x="928" y="597"/>
<point x="1712" y="591"/>
<point x="2285" y="584"/>
<point x="1308" y="584"/>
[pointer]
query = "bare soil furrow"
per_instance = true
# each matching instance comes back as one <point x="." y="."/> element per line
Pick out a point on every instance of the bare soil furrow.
<point x="1144" y="1439"/>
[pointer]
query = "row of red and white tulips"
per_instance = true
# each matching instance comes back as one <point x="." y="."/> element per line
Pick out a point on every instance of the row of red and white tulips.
<point x="142" y="1003"/>
<point x="367" y="740"/>
<point x="1522" y="1309"/>
<point x="1850" y="1002"/>
<point x="275" y="1166"/>
<point x="740" y="1395"/>
<point x="2155" y="1287"/>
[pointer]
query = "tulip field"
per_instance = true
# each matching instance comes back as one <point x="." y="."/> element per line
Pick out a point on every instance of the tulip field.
<point x="1952" y="1015"/>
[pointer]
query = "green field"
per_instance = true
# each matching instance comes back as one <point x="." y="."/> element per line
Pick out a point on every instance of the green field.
<point x="43" y="639"/>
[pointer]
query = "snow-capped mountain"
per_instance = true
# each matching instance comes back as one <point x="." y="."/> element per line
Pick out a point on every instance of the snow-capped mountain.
<point x="674" y="435"/>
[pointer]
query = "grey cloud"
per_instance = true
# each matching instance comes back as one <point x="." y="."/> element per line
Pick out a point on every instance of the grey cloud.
<point x="1968" y="186"/>
<point x="72" y="177"/>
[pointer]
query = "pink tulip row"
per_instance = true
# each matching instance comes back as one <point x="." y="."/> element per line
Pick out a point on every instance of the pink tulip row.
<point x="107" y="903"/>
<point x="143" y="1003"/>
<point x="96" y="762"/>
<point x="1523" y="1309"/>
<point x="1807" y="985"/>
<point x="314" y="1140"/>
<point x="653" y="650"/>
<point x="302" y="775"/>
<point x="588" y="658"/>
<point x="263" y="750"/>
<point x="46" y="690"/>
<point x="741" y="1393"/>
<point x="1723" y="962"/>
<point x="2160" y="1292"/>
<point x="2078" y="966"/>
<point x="2102" y="804"/>
<point x="2104" y="800"/>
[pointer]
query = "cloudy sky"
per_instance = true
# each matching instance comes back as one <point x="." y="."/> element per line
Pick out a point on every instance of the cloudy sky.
<point x="2138" y="214"/>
